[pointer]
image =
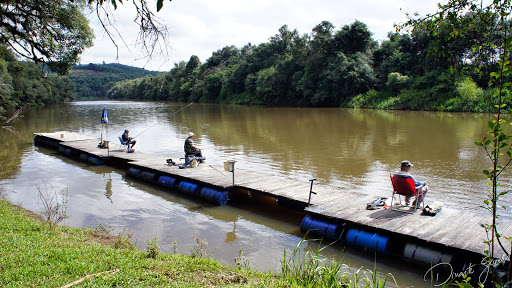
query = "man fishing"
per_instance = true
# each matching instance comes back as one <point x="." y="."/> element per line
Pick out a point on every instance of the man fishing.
<point x="127" y="139"/>
<point x="191" y="149"/>
<point x="405" y="167"/>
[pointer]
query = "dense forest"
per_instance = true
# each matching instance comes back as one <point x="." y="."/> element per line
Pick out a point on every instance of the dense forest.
<point x="25" y="83"/>
<point x="420" y="70"/>
<point x="92" y="81"/>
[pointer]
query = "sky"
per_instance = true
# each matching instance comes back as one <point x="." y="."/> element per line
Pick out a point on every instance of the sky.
<point x="200" y="27"/>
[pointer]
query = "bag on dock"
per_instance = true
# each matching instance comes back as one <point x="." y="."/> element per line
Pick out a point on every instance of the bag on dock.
<point x="429" y="211"/>
<point x="376" y="204"/>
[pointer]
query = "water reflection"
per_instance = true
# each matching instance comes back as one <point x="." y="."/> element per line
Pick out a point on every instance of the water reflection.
<point x="231" y="236"/>
<point x="108" y="188"/>
<point x="354" y="150"/>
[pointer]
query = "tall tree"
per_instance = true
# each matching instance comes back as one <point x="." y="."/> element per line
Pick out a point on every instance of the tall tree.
<point x="55" y="32"/>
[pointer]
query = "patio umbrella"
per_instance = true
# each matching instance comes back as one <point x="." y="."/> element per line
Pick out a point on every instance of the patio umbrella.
<point x="104" y="120"/>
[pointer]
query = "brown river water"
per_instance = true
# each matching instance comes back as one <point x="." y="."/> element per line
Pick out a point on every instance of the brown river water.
<point x="352" y="150"/>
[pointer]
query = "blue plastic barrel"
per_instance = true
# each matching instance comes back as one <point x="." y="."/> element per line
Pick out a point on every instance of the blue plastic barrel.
<point x="95" y="160"/>
<point x="147" y="176"/>
<point x="62" y="149"/>
<point x="426" y="255"/>
<point x="214" y="196"/>
<point x="167" y="181"/>
<point x="68" y="151"/>
<point x="321" y="227"/>
<point x="367" y="240"/>
<point x="187" y="188"/>
<point x="39" y="140"/>
<point x="134" y="172"/>
<point x="84" y="157"/>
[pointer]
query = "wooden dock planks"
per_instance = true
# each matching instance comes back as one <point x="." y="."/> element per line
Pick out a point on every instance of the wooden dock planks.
<point x="451" y="227"/>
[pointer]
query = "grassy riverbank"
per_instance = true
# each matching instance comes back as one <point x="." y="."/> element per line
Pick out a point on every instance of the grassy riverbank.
<point x="33" y="255"/>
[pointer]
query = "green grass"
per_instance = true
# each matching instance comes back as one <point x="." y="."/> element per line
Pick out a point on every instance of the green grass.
<point x="35" y="254"/>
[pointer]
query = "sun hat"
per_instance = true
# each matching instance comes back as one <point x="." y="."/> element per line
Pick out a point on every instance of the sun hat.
<point x="406" y="163"/>
<point x="191" y="134"/>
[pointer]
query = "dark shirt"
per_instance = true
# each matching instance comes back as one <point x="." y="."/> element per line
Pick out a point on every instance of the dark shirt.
<point x="189" y="146"/>
<point x="125" y="137"/>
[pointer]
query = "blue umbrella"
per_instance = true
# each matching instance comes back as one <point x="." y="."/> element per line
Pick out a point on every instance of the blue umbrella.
<point x="104" y="120"/>
<point x="104" y="117"/>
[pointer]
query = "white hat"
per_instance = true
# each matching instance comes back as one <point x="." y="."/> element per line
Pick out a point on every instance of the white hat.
<point x="405" y="163"/>
<point x="191" y="134"/>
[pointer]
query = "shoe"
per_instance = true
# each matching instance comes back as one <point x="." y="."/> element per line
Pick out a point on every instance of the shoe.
<point x="181" y="167"/>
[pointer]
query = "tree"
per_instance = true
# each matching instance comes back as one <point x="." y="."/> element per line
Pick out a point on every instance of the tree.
<point x="353" y="38"/>
<point x="55" y="32"/>
<point x="492" y="38"/>
<point x="192" y="64"/>
<point x="152" y="36"/>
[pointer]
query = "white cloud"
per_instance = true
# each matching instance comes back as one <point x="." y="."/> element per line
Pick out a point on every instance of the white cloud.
<point x="200" y="27"/>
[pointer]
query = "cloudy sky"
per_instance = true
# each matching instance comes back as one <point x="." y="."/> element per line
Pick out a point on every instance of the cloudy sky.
<point x="200" y="27"/>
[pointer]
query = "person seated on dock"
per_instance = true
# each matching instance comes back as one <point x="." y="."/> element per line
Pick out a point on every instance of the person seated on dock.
<point x="192" y="152"/>
<point x="405" y="167"/>
<point x="127" y="139"/>
<point x="191" y="149"/>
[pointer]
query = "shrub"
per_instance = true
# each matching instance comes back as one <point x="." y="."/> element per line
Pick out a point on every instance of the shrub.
<point x="396" y="82"/>
<point x="469" y="90"/>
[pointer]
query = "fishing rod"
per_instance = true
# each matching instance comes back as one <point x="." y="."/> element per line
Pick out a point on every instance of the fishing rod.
<point x="159" y="122"/>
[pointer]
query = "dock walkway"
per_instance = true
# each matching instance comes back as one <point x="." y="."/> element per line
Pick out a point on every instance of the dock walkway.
<point x="451" y="228"/>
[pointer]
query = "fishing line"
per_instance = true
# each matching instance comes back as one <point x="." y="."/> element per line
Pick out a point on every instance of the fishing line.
<point x="444" y="175"/>
<point x="218" y="171"/>
<point x="159" y="122"/>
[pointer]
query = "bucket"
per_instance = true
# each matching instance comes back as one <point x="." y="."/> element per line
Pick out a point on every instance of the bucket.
<point x="214" y="196"/>
<point x="134" y="172"/>
<point x="187" y="188"/>
<point x="426" y="255"/>
<point x="367" y="240"/>
<point x="167" y="181"/>
<point x="194" y="163"/>
<point x="320" y="228"/>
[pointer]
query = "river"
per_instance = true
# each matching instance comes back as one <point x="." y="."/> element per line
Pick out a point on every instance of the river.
<point x="353" y="150"/>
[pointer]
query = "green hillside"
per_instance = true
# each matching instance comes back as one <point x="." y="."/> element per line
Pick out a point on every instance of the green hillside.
<point x="93" y="80"/>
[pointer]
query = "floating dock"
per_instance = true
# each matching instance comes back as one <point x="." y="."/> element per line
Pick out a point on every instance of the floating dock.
<point x="453" y="236"/>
